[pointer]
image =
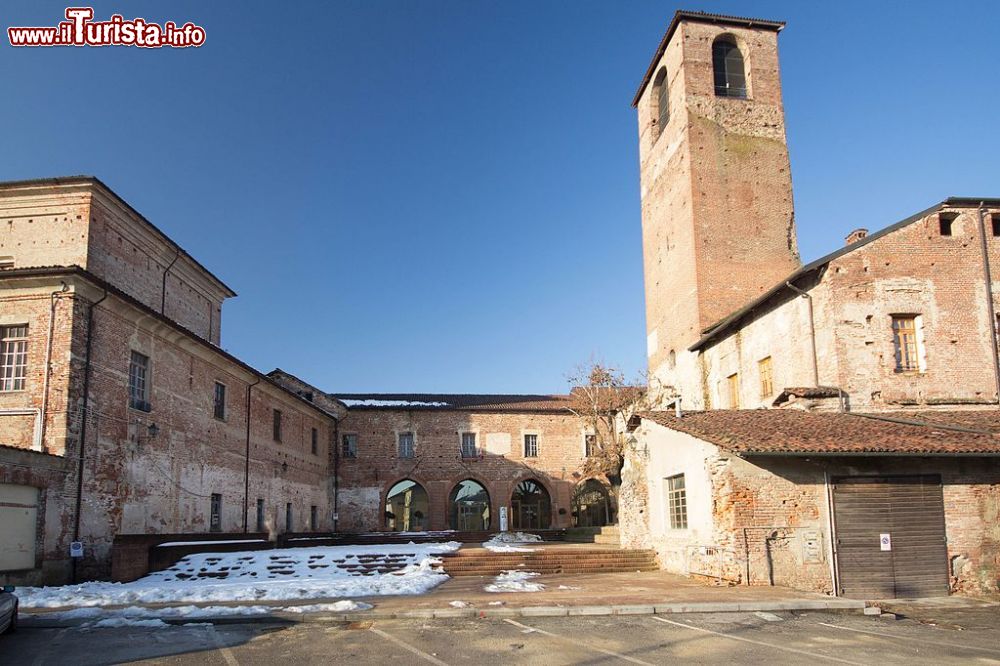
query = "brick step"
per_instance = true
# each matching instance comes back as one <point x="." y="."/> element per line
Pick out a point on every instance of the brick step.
<point x="552" y="570"/>
<point x="615" y="554"/>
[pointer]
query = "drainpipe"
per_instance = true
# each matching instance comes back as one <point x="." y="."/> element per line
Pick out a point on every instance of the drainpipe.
<point x="163" y="290"/>
<point x="812" y="331"/>
<point x="246" y="467"/>
<point x="990" y="308"/>
<point x="336" y="473"/>
<point x="832" y="550"/>
<point x="83" y="425"/>
<point x="48" y="364"/>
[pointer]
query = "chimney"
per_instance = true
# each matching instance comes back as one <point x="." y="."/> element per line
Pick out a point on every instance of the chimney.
<point x="856" y="235"/>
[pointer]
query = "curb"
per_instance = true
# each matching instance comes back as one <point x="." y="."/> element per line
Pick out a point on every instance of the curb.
<point x="40" y="622"/>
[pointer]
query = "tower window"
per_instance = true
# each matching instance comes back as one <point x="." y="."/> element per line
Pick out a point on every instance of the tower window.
<point x="946" y="222"/>
<point x="727" y="62"/>
<point x="662" y="101"/>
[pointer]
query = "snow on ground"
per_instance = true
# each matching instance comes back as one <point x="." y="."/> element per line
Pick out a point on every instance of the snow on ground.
<point x="265" y="575"/>
<point x="207" y="543"/>
<point x="342" y="606"/>
<point x="116" y="622"/>
<point x="515" y="581"/>
<point x="459" y="604"/>
<point x="504" y="542"/>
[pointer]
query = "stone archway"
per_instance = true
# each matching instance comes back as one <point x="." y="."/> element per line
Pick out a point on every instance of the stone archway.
<point x="531" y="506"/>
<point x="406" y="507"/>
<point x="469" y="507"/>
<point x="592" y="504"/>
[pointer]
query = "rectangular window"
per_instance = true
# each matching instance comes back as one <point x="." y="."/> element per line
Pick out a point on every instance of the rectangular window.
<point x="220" y="401"/>
<point x="288" y="517"/>
<point x="531" y="446"/>
<point x="216" y="523"/>
<point x="677" y="502"/>
<point x="138" y="382"/>
<point x="734" y="390"/>
<point x="276" y="425"/>
<point x="349" y="446"/>
<point x="13" y="357"/>
<point x="469" y="445"/>
<point x="313" y="518"/>
<point x="995" y="220"/>
<point x="315" y="441"/>
<point x="261" y="527"/>
<point x="406" y="445"/>
<point x="905" y="342"/>
<point x="590" y="445"/>
<point x="766" y="377"/>
<point x="945" y="222"/>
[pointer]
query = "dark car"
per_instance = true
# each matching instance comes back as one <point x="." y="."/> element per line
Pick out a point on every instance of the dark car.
<point x="8" y="609"/>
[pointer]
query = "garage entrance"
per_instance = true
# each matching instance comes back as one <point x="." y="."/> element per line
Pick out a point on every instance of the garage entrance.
<point x="18" y="525"/>
<point x="890" y="536"/>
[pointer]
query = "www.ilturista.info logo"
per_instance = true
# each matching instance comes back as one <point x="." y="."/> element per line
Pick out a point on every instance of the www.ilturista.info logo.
<point x="81" y="30"/>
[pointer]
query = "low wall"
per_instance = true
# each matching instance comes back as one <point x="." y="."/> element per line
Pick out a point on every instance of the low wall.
<point x="135" y="555"/>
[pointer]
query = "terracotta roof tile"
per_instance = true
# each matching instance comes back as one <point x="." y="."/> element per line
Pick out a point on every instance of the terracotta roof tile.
<point x="779" y="432"/>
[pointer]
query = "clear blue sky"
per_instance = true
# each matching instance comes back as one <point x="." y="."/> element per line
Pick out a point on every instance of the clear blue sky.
<point x="443" y="196"/>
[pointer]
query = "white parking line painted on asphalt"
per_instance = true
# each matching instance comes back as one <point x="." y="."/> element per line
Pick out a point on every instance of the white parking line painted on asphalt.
<point x="576" y="642"/>
<point x="762" y="643"/>
<point x="406" y="646"/>
<point x="227" y="654"/>
<point x="909" y="638"/>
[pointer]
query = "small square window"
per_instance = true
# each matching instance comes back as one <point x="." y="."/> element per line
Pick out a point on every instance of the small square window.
<point x="349" y="446"/>
<point x="590" y="445"/>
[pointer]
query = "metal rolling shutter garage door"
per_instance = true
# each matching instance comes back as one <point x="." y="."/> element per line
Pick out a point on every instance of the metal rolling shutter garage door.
<point x="910" y="510"/>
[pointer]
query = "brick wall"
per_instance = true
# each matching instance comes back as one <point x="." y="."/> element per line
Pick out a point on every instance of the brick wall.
<point x="438" y="465"/>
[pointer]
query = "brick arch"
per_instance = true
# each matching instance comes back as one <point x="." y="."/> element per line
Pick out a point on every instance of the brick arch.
<point x="490" y="497"/>
<point x="420" y="481"/>
<point x="550" y="490"/>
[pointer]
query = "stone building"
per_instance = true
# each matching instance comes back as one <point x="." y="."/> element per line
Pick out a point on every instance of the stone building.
<point x="413" y="462"/>
<point x="862" y="477"/>
<point x="119" y="413"/>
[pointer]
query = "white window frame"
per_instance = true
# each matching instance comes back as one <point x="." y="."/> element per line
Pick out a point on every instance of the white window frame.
<point x="134" y="401"/>
<point x="476" y="450"/>
<point x="14" y="376"/>
<point x="353" y="449"/>
<point x="413" y="444"/>
<point x="524" y="443"/>
<point x="678" y="496"/>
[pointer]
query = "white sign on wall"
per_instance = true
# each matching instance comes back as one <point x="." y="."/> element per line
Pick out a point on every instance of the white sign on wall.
<point x="885" y="541"/>
<point x="503" y="519"/>
<point x="76" y="549"/>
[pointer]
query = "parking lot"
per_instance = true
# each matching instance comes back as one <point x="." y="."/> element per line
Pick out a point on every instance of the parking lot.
<point x="967" y="636"/>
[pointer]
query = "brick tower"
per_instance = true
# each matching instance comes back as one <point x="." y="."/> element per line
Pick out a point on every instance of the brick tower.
<point x="718" y="224"/>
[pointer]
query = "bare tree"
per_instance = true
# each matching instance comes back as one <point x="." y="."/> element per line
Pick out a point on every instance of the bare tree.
<point x="604" y="400"/>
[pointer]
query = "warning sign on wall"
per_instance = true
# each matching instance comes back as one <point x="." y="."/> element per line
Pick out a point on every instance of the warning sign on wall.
<point x="885" y="541"/>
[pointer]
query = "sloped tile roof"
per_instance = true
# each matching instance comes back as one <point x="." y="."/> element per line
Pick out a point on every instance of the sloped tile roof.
<point x="456" y="401"/>
<point x="794" y="432"/>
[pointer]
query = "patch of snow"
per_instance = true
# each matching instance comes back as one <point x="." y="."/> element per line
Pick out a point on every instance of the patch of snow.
<point x="459" y="604"/>
<point x="208" y="543"/>
<point x="391" y="403"/>
<point x="509" y="542"/>
<point x="567" y="587"/>
<point x="515" y="581"/>
<point x="497" y="603"/>
<point x="265" y="575"/>
<point x="336" y="607"/>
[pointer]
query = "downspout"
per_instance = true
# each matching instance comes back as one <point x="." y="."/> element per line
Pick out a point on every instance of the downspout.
<point x="163" y="290"/>
<point x="83" y="425"/>
<point x="990" y="308"/>
<point x="246" y="467"/>
<point x="48" y="365"/>
<point x="834" y="565"/>
<point x="336" y="473"/>
<point x="812" y="331"/>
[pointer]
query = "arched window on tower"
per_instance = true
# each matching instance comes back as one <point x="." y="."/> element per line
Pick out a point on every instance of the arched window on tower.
<point x="727" y="61"/>
<point x="660" y="86"/>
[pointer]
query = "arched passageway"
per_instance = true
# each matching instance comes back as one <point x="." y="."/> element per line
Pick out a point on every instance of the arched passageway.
<point x="406" y="507"/>
<point x="469" y="507"/>
<point x="531" y="507"/>
<point x="592" y="504"/>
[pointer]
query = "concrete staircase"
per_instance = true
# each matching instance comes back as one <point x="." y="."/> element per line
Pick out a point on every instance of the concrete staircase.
<point x="607" y="535"/>
<point x="549" y="560"/>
